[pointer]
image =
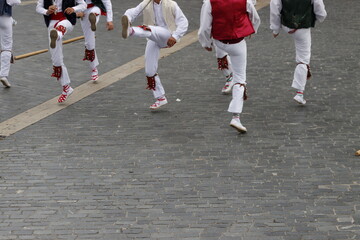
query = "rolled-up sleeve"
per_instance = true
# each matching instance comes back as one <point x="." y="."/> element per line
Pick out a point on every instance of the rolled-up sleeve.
<point x="135" y="12"/>
<point x="253" y="15"/>
<point x="81" y="6"/>
<point x="275" y="15"/>
<point x="319" y="10"/>
<point x="181" y="22"/>
<point x="40" y="7"/>
<point x="204" y="32"/>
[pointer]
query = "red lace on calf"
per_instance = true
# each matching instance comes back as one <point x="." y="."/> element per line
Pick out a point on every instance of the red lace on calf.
<point x="89" y="55"/>
<point x="57" y="72"/>
<point x="223" y="63"/>
<point x="151" y="82"/>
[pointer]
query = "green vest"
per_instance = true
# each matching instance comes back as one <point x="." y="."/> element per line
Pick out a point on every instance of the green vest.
<point x="297" y="14"/>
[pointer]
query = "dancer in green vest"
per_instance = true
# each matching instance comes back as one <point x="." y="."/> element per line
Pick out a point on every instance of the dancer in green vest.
<point x="297" y="17"/>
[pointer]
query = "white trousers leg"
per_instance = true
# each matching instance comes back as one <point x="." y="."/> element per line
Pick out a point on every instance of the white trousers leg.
<point x="220" y="54"/>
<point x="302" y="39"/>
<point x="238" y="56"/>
<point x="57" y="56"/>
<point x="6" y="41"/>
<point x="89" y="34"/>
<point x="157" y="39"/>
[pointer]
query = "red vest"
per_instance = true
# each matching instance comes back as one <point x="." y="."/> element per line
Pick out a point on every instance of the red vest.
<point x="230" y="19"/>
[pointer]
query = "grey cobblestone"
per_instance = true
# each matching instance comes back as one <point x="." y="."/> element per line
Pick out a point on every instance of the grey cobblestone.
<point x="108" y="168"/>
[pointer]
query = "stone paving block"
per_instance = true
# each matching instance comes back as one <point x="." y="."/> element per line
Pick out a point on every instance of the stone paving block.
<point x="108" y="168"/>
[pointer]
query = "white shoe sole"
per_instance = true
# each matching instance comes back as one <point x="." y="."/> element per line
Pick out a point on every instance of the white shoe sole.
<point x="53" y="38"/>
<point x="125" y="26"/>
<point x="301" y="103"/>
<point x="5" y="83"/>
<point x="240" y="130"/>
<point x="68" y="95"/>
<point x="92" y="20"/>
<point x="155" y="108"/>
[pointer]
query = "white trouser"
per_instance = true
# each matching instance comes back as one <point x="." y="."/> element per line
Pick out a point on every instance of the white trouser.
<point x="89" y="34"/>
<point x="220" y="54"/>
<point x="156" y="39"/>
<point x="238" y="54"/>
<point x="302" y="39"/>
<point x="57" y="56"/>
<point x="6" y="41"/>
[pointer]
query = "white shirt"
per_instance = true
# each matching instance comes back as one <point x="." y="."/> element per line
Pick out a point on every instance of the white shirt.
<point x="81" y="6"/>
<point x="180" y="19"/>
<point x="108" y="7"/>
<point x="275" y="13"/>
<point x="206" y="21"/>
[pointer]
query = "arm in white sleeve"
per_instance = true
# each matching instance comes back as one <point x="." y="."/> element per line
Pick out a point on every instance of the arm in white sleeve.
<point x="253" y="15"/>
<point x="80" y="7"/>
<point x="319" y="10"/>
<point x="133" y="13"/>
<point x="181" y="23"/>
<point x="204" y="32"/>
<point x="109" y="11"/>
<point x="275" y="14"/>
<point x="40" y="7"/>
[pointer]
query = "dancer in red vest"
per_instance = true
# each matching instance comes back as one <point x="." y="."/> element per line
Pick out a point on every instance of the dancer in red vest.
<point x="229" y="22"/>
<point x="60" y="18"/>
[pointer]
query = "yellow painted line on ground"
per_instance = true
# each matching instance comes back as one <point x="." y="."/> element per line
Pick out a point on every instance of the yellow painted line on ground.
<point x="50" y="107"/>
<point x="24" y="3"/>
<point x="26" y="55"/>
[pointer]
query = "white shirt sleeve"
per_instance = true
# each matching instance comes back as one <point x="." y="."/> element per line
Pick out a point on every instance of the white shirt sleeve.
<point x="253" y="14"/>
<point x="109" y="11"/>
<point x="133" y="13"/>
<point x="80" y="7"/>
<point x="40" y="7"/>
<point x="206" y="18"/>
<point x="319" y="10"/>
<point x="181" y="23"/>
<point x="275" y="15"/>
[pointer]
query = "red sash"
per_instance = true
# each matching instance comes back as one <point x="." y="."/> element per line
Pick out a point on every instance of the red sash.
<point x="90" y="5"/>
<point x="58" y="16"/>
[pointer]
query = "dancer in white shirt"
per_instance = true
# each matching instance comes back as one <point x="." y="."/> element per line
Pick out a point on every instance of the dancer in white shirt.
<point x="164" y="25"/>
<point x="296" y="17"/>
<point x="60" y="18"/>
<point x="6" y="39"/>
<point x="89" y="20"/>
<point x="228" y="23"/>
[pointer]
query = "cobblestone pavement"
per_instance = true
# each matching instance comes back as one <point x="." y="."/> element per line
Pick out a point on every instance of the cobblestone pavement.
<point x="108" y="168"/>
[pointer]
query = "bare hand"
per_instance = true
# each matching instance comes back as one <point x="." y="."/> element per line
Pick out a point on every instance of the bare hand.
<point x="51" y="10"/>
<point x="171" y="41"/>
<point x="80" y="15"/>
<point x="275" y="35"/>
<point x="109" y="26"/>
<point x="208" y="49"/>
<point x="69" y="10"/>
